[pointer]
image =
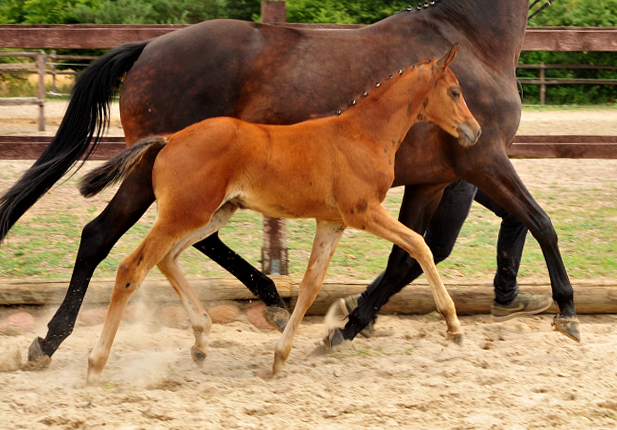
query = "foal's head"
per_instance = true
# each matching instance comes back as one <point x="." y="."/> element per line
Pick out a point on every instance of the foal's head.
<point x="445" y="105"/>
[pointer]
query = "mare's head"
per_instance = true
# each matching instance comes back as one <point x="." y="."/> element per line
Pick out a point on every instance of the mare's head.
<point x="445" y="105"/>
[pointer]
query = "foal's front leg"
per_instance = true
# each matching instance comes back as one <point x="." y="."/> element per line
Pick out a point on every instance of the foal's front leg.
<point x="377" y="221"/>
<point x="326" y="239"/>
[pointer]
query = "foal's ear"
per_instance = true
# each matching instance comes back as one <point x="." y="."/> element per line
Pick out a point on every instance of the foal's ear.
<point x="443" y="62"/>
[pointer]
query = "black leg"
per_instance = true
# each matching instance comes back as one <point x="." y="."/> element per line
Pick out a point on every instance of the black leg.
<point x="258" y="283"/>
<point x="133" y="198"/>
<point x="504" y="186"/>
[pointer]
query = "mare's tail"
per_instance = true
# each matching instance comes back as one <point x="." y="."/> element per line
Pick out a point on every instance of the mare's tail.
<point x="85" y="120"/>
<point x="119" y="166"/>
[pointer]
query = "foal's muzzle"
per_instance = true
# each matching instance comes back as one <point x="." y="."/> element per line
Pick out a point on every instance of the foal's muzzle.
<point x="469" y="132"/>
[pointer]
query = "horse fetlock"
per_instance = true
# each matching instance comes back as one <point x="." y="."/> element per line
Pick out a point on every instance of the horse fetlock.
<point x="276" y="317"/>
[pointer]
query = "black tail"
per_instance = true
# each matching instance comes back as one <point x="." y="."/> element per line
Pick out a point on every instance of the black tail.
<point x="85" y="121"/>
<point x="119" y="166"/>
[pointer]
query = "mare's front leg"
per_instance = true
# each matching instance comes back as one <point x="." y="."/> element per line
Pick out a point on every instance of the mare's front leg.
<point x="132" y="199"/>
<point x="503" y="185"/>
<point x="326" y="239"/>
<point x="200" y="320"/>
<point x="377" y="221"/>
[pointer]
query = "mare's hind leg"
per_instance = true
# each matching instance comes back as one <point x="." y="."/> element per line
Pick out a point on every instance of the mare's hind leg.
<point x="98" y="237"/>
<point x="377" y="221"/>
<point x="200" y="320"/>
<point x="326" y="239"/>
<point x="259" y="284"/>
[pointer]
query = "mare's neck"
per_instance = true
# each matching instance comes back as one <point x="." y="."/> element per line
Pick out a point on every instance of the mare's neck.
<point x="387" y="112"/>
<point x="494" y="28"/>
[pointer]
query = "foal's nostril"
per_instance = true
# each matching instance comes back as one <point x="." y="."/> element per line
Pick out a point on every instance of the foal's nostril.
<point x="478" y="134"/>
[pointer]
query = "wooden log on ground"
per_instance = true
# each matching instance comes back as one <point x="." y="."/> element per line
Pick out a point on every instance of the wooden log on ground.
<point x="157" y="290"/>
<point x="590" y="296"/>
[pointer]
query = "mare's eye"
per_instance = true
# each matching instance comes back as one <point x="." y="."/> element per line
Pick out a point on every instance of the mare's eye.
<point x="456" y="93"/>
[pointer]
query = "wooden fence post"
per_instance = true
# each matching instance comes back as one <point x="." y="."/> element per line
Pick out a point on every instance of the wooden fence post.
<point x="41" y="72"/>
<point x="274" y="252"/>
<point x="52" y="66"/>
<point x="542" y="84"/>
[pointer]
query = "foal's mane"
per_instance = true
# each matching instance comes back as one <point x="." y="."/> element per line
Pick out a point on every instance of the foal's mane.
<point x="379" y="87"/>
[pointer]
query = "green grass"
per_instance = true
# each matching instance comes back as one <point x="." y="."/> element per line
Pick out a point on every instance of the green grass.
<point x="46" y="246"/>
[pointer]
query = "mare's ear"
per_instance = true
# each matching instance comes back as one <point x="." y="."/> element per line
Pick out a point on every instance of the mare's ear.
<point x="443" y="62"/>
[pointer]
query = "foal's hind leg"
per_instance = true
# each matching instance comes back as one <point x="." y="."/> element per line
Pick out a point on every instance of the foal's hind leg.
<point x="377" y="221"/>
<point x="131" y="273"/>
<point x="200" y="320"/>
<point x="326" y="239"/>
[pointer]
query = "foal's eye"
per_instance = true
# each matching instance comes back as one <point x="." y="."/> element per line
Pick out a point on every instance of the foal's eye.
<point x="456" y="93"/>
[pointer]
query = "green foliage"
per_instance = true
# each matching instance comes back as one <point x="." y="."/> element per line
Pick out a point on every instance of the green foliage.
<point x="149" y="11"/>
<point x="247" y="10"/>
<point x="109" y="11"/>
<point x="40" y="11"/>
<point x="579" y="13"/>
<point x="341" y="11"/>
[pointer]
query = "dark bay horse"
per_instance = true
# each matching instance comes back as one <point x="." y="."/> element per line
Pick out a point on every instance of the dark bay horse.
<point x="279" y="75"/>
<point x="336" y="169"/>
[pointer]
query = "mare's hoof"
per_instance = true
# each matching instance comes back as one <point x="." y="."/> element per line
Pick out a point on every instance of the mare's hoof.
<point x="457" y="338"/>
<point x="37" y="359"/>
<point x="333" y="339"/>
<point x="198" y="356"/>
<point x="567" y="326"/>
<point x="276" y="317"/>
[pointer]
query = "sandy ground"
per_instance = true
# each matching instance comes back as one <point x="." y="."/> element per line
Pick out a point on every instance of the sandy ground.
<point x="512" y="375"/>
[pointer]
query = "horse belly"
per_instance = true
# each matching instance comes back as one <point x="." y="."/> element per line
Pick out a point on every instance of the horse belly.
<point x="283" y="202"/>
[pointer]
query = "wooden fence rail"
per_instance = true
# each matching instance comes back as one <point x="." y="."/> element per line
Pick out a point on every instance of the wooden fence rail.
<point x="524" y="146"/>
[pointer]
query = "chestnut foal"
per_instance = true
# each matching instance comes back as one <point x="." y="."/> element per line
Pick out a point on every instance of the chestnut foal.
<point x="336" y="169"/>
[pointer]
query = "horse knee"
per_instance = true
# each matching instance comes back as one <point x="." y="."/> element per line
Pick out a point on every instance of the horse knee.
<point x="545" y="233"/>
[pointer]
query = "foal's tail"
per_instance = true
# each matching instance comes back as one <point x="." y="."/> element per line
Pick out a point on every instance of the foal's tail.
<point x="119" y="166"/>
<point x="86" y="118"/>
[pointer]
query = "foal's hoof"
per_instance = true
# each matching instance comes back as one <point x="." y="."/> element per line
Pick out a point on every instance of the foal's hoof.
<point x="457" y="338"/>
<point x="276" y="317"/>
<point x="37" y="359"/>
<point x="198" y="356"/>
<point x="567" y="326"/>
